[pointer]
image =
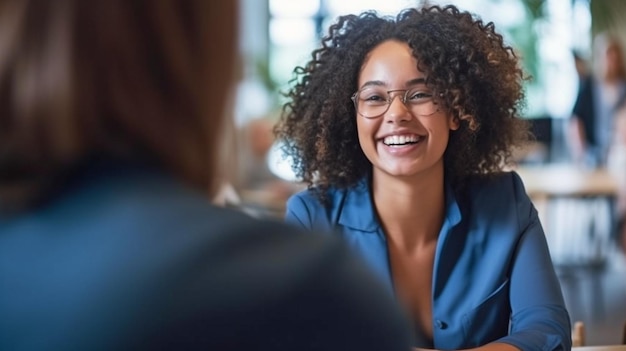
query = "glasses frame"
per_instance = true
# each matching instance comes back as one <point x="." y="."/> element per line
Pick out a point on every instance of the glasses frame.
<point x="403" y="98"/>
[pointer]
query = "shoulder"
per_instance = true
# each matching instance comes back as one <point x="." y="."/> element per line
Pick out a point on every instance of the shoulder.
<point x="496" y="186"/>
<point x="307" y="210"/>
<point x="295" y="275"/>
<point x="260" y="263"/>
<point x="500" y="195"/>
<point x="149" y="241"/>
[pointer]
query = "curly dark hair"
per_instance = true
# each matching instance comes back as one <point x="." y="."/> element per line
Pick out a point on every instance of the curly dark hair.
<point x="466" y="63"/>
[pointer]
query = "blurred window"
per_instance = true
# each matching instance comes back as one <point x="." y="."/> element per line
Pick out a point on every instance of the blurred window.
<point x="543" y="32"/>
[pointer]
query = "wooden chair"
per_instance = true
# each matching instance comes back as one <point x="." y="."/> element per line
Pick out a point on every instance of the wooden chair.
<point x="578" y="334"/>
<point x="578" y="340"/>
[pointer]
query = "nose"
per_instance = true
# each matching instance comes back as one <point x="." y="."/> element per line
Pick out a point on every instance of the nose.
<point x="397" y="111"/>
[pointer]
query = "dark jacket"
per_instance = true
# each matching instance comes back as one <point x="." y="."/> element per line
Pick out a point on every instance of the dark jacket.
<point x="128" y="259"/>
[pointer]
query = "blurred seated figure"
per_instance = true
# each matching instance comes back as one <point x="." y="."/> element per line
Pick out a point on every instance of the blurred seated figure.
<point x="111" y="117"/>
<point x="617" y="165"/>
<point x="258" y="184"/>
<point x="591" y="126"/>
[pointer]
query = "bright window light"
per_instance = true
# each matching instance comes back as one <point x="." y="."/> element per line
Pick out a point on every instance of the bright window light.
<point x="287" y="32"/>
<point x="294" y="8"/>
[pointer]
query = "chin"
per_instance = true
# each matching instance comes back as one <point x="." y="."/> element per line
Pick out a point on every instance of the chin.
<point x="400" y="171"/>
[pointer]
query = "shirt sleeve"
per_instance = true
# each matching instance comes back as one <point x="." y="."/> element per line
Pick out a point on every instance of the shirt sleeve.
<point x="539" y="318"/>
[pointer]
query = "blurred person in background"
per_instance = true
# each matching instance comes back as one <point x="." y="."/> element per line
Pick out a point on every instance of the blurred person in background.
<point x="401" y="127"/>
<point x="592" y="123"/>
<point x="616" y="164"/>
<point x="581" y="65"/>
<point x="111" y="118"/>
<point x="258" y="186"/>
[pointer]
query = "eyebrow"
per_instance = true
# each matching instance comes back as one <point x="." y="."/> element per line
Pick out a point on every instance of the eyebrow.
<point x="380" y="83"/>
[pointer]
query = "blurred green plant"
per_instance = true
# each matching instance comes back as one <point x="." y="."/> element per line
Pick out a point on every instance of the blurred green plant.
<point x="526" y="36"/>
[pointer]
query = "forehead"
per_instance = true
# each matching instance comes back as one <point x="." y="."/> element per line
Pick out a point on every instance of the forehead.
<point x="390" y="63"/>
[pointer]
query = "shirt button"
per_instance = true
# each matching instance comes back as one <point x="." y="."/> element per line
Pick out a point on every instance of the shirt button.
<point x="440" y="324"/>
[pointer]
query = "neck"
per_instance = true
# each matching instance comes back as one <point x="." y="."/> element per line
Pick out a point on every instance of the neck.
<point x="412" y="209"/>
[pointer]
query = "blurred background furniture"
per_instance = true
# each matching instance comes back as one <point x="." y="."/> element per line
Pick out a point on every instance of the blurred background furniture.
<point x="600" y="348"/>
<point x="578" y="334"/>
<point x="576" y="208"/>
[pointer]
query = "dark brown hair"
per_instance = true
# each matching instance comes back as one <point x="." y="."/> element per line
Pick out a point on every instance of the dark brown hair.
<point x="467" y="64"/>
<point x="124" y="79"/>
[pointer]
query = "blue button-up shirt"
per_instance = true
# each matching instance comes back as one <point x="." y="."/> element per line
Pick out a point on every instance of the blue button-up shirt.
<point x="493" y="277"/>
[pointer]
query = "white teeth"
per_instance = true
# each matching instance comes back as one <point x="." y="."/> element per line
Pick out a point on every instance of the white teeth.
<point x="400" y="139"/>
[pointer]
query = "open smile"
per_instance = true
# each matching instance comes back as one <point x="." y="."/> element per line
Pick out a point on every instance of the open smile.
<point x="402" y="140"/>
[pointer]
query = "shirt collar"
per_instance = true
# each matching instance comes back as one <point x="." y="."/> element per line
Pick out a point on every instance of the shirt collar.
<point x="357" y="211"/>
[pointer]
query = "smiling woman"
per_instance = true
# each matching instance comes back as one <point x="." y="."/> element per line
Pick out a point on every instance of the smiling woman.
<point x="401" y="127"/>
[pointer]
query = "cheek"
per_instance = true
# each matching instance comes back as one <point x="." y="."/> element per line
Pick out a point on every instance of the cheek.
<point x="362" y="129"/>
<point x="440" y="133"/>
<point x="365" y="134"/>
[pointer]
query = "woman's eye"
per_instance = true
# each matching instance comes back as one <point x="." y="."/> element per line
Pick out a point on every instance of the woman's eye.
<point x="374" y="98"/>
<point x="419" y="96"/>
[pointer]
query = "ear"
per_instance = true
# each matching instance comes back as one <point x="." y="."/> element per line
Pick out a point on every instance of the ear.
<point x="454" y="122"/>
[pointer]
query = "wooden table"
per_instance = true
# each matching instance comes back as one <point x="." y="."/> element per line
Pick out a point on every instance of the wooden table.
<point x="600" y="348"/>
<point x="576" y="207"/>
<point x="567" y="180"/>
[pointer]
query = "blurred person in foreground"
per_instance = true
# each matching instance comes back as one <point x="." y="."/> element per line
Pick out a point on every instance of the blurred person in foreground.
<point x="402" y="126"/>
<point x="592" y="125"/>
<point x="111" y="114"/>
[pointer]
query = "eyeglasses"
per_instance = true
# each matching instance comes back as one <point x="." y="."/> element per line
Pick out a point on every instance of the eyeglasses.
<point x="373" y="102"/>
